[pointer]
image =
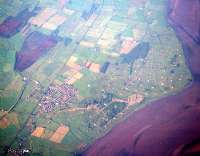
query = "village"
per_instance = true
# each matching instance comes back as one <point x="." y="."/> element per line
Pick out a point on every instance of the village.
<point x="85" y="66"/>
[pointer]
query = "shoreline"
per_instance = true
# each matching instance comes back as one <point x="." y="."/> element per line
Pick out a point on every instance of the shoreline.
<point x="105" y="146"/>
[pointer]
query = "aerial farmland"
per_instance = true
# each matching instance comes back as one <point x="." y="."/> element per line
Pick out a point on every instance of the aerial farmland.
<point x="70" y="70"/>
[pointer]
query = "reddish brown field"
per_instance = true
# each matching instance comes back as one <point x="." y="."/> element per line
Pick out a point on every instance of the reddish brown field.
<point x="169" y="126"/>
<point x="35" y="46"/>
<point x="12" y="25"/>
<point x="184" y="17"/>
<point x="157" y="129"/>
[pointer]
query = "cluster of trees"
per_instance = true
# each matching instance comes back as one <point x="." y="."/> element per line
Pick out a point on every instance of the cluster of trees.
<point x="114" y="109"/>
<point x="100" y="102"/>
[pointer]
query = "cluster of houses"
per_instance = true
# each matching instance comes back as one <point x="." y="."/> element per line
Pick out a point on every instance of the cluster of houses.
<point x="102" y="33"/>
<point x="18" y="152"/>
<point x="57" y="95"/>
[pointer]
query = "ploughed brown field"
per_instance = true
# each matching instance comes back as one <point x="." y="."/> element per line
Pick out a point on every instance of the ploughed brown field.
<point x="12" y="25"/>
<point x="35" y="46"/>
<point x="169" y="126"/>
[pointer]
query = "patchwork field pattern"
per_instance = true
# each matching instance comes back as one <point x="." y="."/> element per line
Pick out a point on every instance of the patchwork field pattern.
<point x="72" y="70"/>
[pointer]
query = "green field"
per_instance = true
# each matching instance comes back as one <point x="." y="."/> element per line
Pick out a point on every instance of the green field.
<point x="113" y="26"/>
